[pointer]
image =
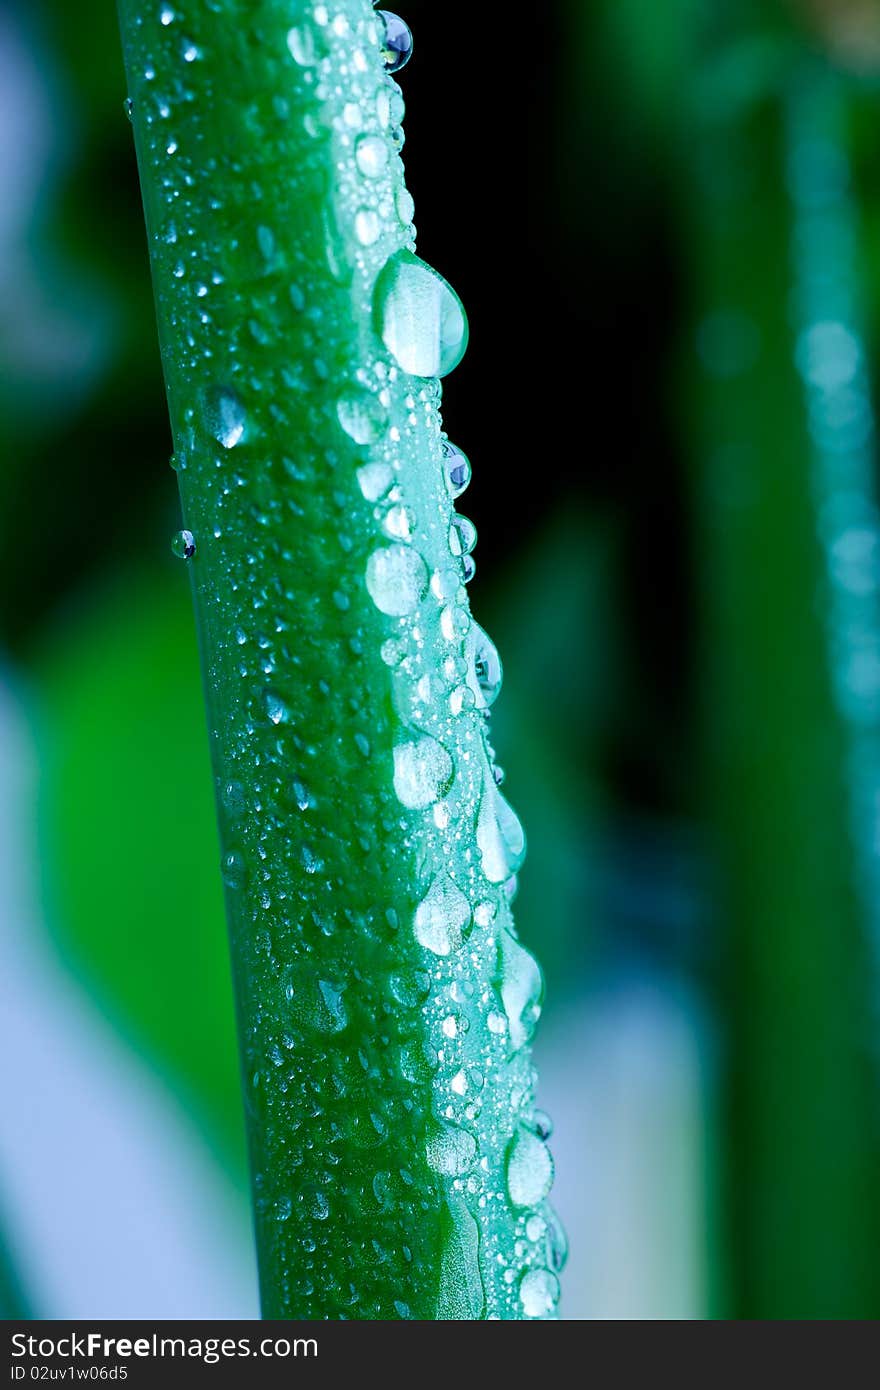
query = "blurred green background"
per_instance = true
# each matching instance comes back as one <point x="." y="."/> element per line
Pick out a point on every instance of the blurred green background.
<point x="664" y="220"/>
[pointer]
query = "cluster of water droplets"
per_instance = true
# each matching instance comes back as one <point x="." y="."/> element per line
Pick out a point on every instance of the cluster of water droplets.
<point x="476" y="995"/>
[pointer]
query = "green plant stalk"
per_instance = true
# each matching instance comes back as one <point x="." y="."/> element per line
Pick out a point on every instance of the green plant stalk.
<point x="384" y="1004"/>
<point x="797" y="984"/>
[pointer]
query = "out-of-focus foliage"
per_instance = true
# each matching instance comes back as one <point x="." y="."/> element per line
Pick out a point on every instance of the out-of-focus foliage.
<point x="131" y="876"/>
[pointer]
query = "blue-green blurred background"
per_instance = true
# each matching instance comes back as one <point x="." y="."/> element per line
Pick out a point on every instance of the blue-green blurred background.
<point x="664" y="220"/>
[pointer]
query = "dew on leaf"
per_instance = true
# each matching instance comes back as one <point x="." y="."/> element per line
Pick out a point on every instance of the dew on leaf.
<point x="367" y="226"/>
<point x="224" y="415"/>
<point x="539" y="1292"/>
<point x="521" y="987"/>
<point x="442" y="917"/>
<point x="301" y="43"/>
<point x="396" y="42"/>
<point x="423" y="772"/>
<point x="183" y="545"/>
<point x="362" y="416"/>
<point x="451" y="1151"/>
<point x="419" y="317"/>
<point x="375" y="480"/>
<point x="529" y="1169"/>
<point x="457" y="469"/>
<point x="500" y="836"/>
<point x="371" y="155"/>
<point x="462" y="1295"/>
<point x="396" y="579"/>
<point x="462" y="535"/>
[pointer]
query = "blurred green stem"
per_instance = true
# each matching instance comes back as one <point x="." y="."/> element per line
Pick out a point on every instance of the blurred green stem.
<point x="803" y="1215"/>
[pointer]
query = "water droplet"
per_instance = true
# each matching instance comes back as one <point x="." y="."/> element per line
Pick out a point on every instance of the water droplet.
<point x="457" y="469"/>
<point x="461" y="1295"/>
<point x="397" y="579"/>
<point x="302" y="797"/>
<point x="234" y="869"/>
<point x="536" y="1227"/>
<point x="542" y="1124"/>
<point x="334" y="1015"/>
<point x="190" y="51"/>
<point x="539" y="1292"/>
<point x="529" y="1169"/>
<point x="128" y="108"/>
<point x="484" y="913"/>
<point x="224" y="415"/>
<point x="375" y="480"/>
<point x="442" y="917"/>
<point x="405" y="206"/>
<point x="557" y="1242"/>
<point x="451" y="1151"/>
<point x="423" y="772"/>
<point x="362" y="416"/>
<point x="399" y="522"/>
<point x="419" y="317"/>
<point x="371" y="155"/>
<point x="301" y="43"/>
<point x="275" y="707"/>
<point x="462" y="535"/>
<point x="521" y="986"/>
<point x="318" y="1206"/>
<point x="396" y="41"/>
<point x="315" y="1003"/>
<point x="500" y="837"/>
<point x="183" y="544"/>
<point x="267" y="244"/>
<point x="367" y="226"/>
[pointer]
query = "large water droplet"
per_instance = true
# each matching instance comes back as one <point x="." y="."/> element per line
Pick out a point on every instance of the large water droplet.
<point x="461" y="1295"/>
<point x="301" y="43"/>
<point x="397" y="579"/>
<point x="451" y="1151"/>
<point x="275" y="707"/>
<point x="183" y="545"/>
<point x="367" y="226"/>
<point x="362" y="416"/>
<point x="500" y="837"/>
<point x="224" y="415"/>
<point x="419" y="317"/>
<point x="521" y="986"/>
<point x="484" y="675"/>
<point x="315" y="1003"/>
<point x="539" y="1292"/>
<point x="462" y="535"/>
<point x="396" y="41"/>
<point x="423" y="772"/>
<point x="371" y="155"/>
<point x="375" y="480"/>
<point x="332" y="1015"/>
<point x="457" y="469"/>
<point x="529" y="1169"/>
<point x="442" y="917"/>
